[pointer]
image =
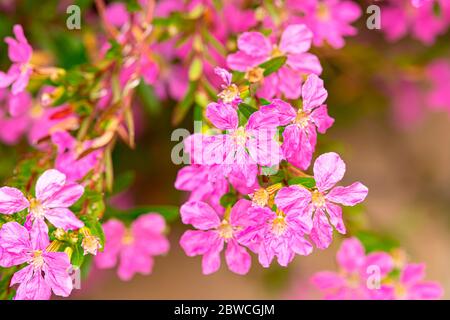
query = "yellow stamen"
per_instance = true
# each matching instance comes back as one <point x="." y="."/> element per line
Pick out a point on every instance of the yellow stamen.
<point x="229" y="94"/>
<point x="225" y="230"/>
<point x="254" y="75"/>
<point x="317" y="198"/>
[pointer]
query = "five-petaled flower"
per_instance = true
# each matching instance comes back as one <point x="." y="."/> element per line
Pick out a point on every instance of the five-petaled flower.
<point x="46" y="271"/>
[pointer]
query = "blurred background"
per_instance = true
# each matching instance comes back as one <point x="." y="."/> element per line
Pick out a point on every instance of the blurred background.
<point x="405" y="162"/>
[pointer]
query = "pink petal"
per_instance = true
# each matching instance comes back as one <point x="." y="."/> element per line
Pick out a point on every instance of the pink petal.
<point x="300" y="245"/>
<point x="326" y="280"/>
<point x="49" y="183"/>
<point x="39" y="234"/>
<point x="12" y="200"/>
<point x="254" y="44"/>
<point x="296" y="39"/>
<point x="262" y="120"/>
<point x="293" y="199"/>
<point x="297" y="145"/>
<point x="63" y="218"/>
<point x="224" y="75"/>
<point x="305" y="63"/>
<point x="6" y="79"/>
<point x="148" y="231"/>
<point x="263" y="148"/>
<point x="328" y="170"/>
<point x="425" y="291"/>
<point x="21" y="82"/>
<point x="283" y="110"/>
<point x="34" y="288"/>
<point x="222" y="116"/>
<point x="200" y="215"/>
<point x="65" y="197"/>
<point x="241" y="61"/>
<point x="289" y="83"/>
<point x="56" y="268"/>
<point x="351" y="255"/>
<point x="412" y="273"/>
<point x="149" y="223"/>
<point x="195" y="242"/>
<point x="114" y="233"/>
<point x="117" y="14"/>
<point x="15" y="244"/>
<point x="133" y="261"/>
<point x="322" y="232"/>
<point x="239" y="215"/>
<point x="237" y="258"/>
<point x="382" y="260"/>
<point x="19" y="103"/>
<point x="348" y="196"/>
<point x="313" y="92"/>
<point x="335" y="213"/>
<point x="211" y="259"/>
<point x="321" y="119"/>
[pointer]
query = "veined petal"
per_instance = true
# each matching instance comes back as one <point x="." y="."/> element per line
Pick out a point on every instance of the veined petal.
<point x="322" y="232"/>
<point x="34" y="288"/>
<point x="63" y="218"/>
<point x="254" y="44"/>
<point x="335" y="213"/>
<point x="237" y="258"/>
<point x="321" y="119"/>
<point x="283" y="110"/>
<point x="296" y="38"/>
<point x="211" y="259"/>
<point x="114" y="234"/>
<point x="65" y="196"/>
<point x="56" y="268"/>
<point x="348" y="196"/>
<point x="222" y="116"/>
<point x="49" y="183"/>
<point x="313" y="92"/>
<point x="12" y="200"/>
<point x="351" y="255"/>
<point x="199" y="214"/>
<point x="328" y="170"/>
<point x="293" y="198"/>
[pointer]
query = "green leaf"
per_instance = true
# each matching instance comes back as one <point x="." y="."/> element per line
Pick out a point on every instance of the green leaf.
<point x="376" y="242"/>
<point x="264" y="102"/>
<point x="246" y="110"/>
<point x="183" y="107"/>
<point x="273" y="65"/>
<point x="307" y="182"/>
<point x="228" y="199"/>
<point x="123" y="181"/>
<point x="77" y="256"/>
<point x="196" y="69"/>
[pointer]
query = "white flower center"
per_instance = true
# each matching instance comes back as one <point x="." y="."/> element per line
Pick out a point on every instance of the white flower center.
<point x="37" y="261"/>
<point x="229" y="94"/>
<point x="225" y="230"/>
<point x="317" y="199"/>
<point x="37" y="209"/>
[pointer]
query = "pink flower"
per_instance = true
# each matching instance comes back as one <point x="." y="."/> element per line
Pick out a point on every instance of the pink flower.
<point x="44" y="272"/>
<point x="230" y="92"/>
<point x="19" y="52"/>
<point x="67" y="160"/>
<point x="281" y="233"/>
<point x="300" y="135"/>
<point x="328" y="170"/>
<point x="242" y="148"/>
<point x="329" y="20"/>
<point x="213" y="233"/>
<point x="411" y="285"/>
<point x="54" y="196"/>
<point x="400" y="17"/>
<point x="357" y="270"/>
<point x="135" y="247"/>
<point x="438" y="73"/>
<point x="255" y="48"/>
<point x="14" y="119"/>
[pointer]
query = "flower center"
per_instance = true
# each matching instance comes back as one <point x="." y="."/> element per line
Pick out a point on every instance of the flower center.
<point x="240" y="136"/>
<point x="127" y="238"/>
<point x="400" y="290"/>
<point x="317" y="198"/>
<point x="229" y="94"/>
<point x="90" y="244"/>
<point x="276" y="52"/>
<point x="261" y="197"/>
<point x="279" y="224"/>
<point x="37" y="209"/>
<point x="302" y="119"/>
<point x="225" y="230"/>
<point x="353" y="280"/>
<point x="37" y="261"/>
<point x="323" y="12"/>
<point x="254" y="75"/>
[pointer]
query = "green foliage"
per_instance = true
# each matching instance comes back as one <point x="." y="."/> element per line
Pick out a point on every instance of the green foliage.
<point x="376" y="242"/>
<point x="307" y="182"/>
<point x="273" y="65"/>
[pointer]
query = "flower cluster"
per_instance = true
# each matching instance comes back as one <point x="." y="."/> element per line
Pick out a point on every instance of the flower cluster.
<point x="377" y="275"/>
<point x="234" y="202"/>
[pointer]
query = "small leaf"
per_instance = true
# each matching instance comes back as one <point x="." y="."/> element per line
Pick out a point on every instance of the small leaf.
<point x="307" y="182"/>
<point x="196" y="69"/>
<point x="273" y="65"/>
<point x="183" y="107"/>
<point x="246" y="110"/>
<point x="228" y="199"/>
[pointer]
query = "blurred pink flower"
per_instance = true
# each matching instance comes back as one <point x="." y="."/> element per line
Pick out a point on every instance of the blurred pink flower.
<point x="67" y="160"/>
<point x="213" y="233"/>
<point x="411" y="285"/>
<point x="438" y="74"/>
<point x="45" y="271"/>
<point x="329" y="20"/>
<point x="19" y="52"/>
<point x="400" y="17"/>
<point x="356" y="270"/>
<point x="299" y="136"/>
<point x="54" y="196"/>
<point x="14" y="119"/>
<point x="282" y="233"/>
<point x="255" y="49"/>
<point x="135" y="247"/>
